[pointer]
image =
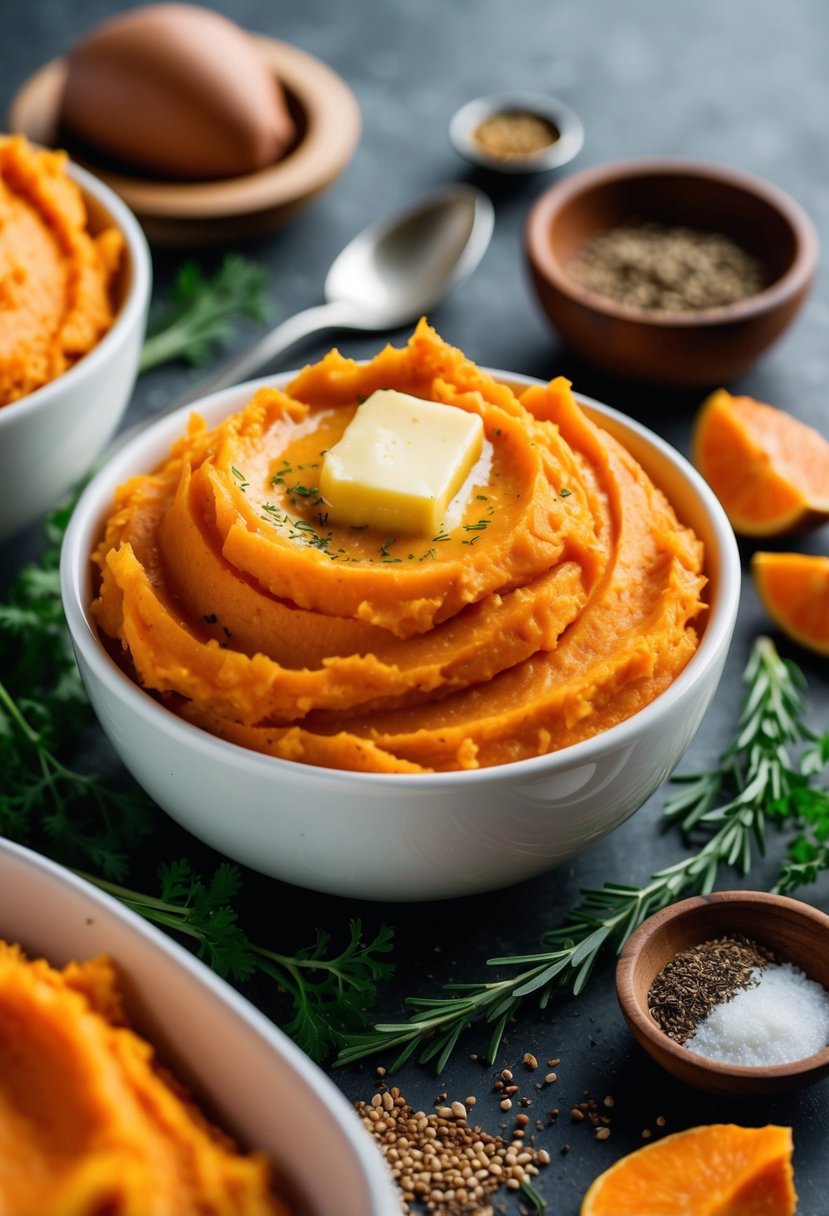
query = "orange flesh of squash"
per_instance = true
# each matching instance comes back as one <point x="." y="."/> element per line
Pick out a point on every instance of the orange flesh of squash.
<point x="714" y="1170"/>
<point x="794" y="590"/>
<point x="769" y="470"/>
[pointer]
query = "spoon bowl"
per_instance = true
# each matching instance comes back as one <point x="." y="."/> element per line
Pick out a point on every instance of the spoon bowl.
<point x="386" y="277"/>
<point x="399" y="268"/>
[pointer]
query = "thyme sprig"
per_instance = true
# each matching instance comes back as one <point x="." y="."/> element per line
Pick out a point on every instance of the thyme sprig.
<point x="724" y="812"/>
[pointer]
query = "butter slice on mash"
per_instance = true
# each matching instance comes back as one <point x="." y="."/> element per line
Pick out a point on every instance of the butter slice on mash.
<point x="400" y="462"/>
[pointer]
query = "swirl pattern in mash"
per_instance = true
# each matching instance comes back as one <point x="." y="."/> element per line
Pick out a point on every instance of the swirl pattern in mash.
<point x="560" y="596"/>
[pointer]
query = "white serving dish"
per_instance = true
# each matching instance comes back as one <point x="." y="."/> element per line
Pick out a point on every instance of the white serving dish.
<point x="400" y="836"/>
<point x="250" y="1076"/>
<point x="50" y="438"/>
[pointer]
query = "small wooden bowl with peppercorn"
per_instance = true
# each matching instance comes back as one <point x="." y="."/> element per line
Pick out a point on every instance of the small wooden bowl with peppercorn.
<point x="735" y="975"/>
<point x="668" y="270"/>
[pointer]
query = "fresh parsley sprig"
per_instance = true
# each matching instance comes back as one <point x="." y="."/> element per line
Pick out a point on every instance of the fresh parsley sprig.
<point x="203" y="311"/>
<point x="725" y="812"/>
<point x="328" y="991"/>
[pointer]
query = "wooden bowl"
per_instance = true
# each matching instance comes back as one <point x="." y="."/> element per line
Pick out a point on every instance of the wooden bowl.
<point x="191" y="213"/>
<point x="794" y="931"/>
<point x="704" y="348"/>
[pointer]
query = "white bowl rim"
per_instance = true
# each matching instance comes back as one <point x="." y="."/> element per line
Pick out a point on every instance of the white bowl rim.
<point x="127" y="317"/>
<point x="78" y="543"/>
<point x="376" y="1177"/>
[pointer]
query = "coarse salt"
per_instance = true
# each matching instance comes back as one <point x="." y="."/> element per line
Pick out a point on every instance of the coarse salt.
<point x="782" y="1017"/>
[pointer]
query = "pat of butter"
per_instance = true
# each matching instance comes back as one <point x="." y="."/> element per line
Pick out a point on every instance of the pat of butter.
<point x="399" y="463"/>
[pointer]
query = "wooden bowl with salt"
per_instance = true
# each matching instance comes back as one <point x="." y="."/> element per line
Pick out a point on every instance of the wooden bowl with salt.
<point x="790" y="930"/>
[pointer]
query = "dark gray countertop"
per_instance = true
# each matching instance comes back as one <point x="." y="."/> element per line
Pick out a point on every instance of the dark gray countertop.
<point x="743" y="82"/>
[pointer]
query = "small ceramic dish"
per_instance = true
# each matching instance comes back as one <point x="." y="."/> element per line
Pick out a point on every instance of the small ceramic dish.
<point x="399" y="836"/>
<point x="250" y="1077"/>
<point x="794" y="931"/>
<point x="50" y="438"/>
<point x="188" y="213"/>
<point x="545" y="115"/>
<point x="702" y="348"/>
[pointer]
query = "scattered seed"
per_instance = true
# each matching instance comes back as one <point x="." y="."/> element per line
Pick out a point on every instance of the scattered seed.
<point x="661" y="1120"/>
<point x="529" y="1060"/>
<point x="551" y="1078"/>
<point x="506" y="1104"/>
<point x="602" y="1133"/>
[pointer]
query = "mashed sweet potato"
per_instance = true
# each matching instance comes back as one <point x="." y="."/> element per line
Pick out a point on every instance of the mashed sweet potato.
<point x="89" y="1123"/>
<point x="55" y="277"/>
<point x="558" y="600"/>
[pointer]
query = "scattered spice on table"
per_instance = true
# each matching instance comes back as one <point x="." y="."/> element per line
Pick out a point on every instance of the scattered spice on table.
<point x="733" y="1001"/>
<point x="667" y="268"/>
<point x="442" y="1162"/>
<point x="515" y="134"/>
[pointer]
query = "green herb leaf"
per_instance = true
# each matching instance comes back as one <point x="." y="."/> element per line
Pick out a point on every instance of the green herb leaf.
<point x="203" y="312"/>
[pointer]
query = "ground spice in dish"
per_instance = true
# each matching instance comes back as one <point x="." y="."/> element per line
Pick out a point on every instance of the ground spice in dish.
<point x="513" y="134"/>
<point x="441" y="1162"/>
<point x="666" y="268"/>
<point x="696" y="980"/>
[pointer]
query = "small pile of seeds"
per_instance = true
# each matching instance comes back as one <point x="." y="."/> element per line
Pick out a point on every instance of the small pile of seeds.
<point x="696" y="980"/>
<point x="667" y="269"/>
<point x="441" y="1162"/>
<point x="514" y="134"/>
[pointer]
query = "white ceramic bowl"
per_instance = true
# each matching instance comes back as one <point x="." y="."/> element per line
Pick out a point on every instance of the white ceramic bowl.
<point x="400" y="836"/>
<point x="252" y="1078"/>
<point x="49" y="439"/>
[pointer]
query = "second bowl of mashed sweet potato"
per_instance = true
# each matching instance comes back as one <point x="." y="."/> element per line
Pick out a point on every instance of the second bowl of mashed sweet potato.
<point x="75" y="280"/>
<point x="401" y="715"/>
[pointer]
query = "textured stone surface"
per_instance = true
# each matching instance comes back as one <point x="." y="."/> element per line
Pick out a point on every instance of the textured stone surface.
<point x="743" y="82"/>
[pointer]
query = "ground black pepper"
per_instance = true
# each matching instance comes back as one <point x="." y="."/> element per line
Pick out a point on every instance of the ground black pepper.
<point x="667" y="268"/>
<point x="695" y="980"/>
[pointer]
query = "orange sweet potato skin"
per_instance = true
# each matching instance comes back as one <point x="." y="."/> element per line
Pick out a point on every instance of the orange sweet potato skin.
<point x="55" y="278"/>
<point x="89" y="1122"/>
<point x="559" y="601"/>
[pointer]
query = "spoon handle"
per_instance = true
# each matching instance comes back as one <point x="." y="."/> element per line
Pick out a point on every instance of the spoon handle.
<point x="333" y="315"/>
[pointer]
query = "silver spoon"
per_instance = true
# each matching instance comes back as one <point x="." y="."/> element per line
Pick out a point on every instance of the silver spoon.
<point x="386" y="277"/>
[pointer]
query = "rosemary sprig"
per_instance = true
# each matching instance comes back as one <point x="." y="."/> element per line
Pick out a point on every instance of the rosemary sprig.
<point x="725" y="811"/>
